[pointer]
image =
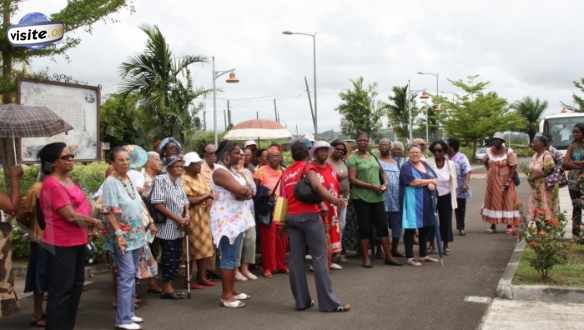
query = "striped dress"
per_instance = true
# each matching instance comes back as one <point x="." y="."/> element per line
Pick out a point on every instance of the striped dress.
<point x="171" y="194"/>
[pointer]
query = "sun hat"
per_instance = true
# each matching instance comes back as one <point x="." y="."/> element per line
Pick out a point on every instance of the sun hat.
<point x="319" y="145"/>
<point x="249" y="144"/>
<point x="191" y="157"/>
<point x="499" y="136"/>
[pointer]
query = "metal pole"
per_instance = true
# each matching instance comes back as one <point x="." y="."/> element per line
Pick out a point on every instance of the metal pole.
<point x="314" y="77"/>
<point x="276" y="112"/>
<point x="216" y="136"/>
<point x="410" y="128"/>
<point x="437" y="100"/>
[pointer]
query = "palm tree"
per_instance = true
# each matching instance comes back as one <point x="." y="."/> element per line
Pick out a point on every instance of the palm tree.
<point x="398" y="112"/>
<point x="531" y="111"/>
<point x="163" y="84"/>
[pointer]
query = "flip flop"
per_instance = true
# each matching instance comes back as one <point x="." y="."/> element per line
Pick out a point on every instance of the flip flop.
<point x="232" y="304"/>
<point x="41" y="323"/>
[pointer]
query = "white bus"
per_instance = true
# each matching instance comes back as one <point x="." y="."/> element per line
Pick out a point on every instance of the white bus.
<point x="559" y="127"/>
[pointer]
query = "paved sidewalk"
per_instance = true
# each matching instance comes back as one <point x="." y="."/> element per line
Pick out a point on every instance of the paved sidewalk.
<point x="533" y="315"/>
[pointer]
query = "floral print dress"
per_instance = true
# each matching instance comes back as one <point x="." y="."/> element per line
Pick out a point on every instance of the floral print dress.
<point x="229" y="217"/>
<point x="543" y="202"/>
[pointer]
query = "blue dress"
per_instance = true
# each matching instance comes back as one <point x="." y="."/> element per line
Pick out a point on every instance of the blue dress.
<point x="418" y="209"/>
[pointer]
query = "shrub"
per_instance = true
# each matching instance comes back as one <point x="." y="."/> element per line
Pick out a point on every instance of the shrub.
<point x="545" y="239"/>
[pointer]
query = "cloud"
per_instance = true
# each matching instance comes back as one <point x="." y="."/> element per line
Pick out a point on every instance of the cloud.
<point x="522" y="47"/>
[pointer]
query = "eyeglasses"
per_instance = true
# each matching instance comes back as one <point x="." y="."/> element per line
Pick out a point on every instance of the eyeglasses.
<point x="438" y="151"/>
<point x="343" y="150"/>
<point x="67" y="157"/>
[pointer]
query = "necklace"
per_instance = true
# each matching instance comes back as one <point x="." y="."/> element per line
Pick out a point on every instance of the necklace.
<point x="128" y="186"/>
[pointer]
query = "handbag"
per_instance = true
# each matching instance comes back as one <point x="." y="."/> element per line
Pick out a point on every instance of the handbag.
<point x="516" y="179"/>
<point x="280" y="211"/>
<point x="381" y="172"/>
<point x="556" y="177"/>
<point x="156" y="215"/>
<point x="304" y="191"/>
<point x="147" y="266"/>
<point x="265" y="203"/>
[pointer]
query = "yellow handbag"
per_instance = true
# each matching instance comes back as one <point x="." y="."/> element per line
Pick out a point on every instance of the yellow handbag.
<point x="280" y="211"/>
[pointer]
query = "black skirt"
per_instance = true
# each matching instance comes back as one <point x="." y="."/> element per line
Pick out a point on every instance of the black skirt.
<point x="36" y="273"/>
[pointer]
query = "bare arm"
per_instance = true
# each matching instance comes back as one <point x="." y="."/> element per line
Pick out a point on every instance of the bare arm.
<point x="113" y="221"/>
<point x="69" y="214"/>
<point x="321" y="190"/>
<point x="422" y="182"/>
<point x="168" y="214"/>
<point x="9" y="203"/>
<point x="199" y="199"/>
<point x="361" y="184"/>
<point x="223" y="179"/>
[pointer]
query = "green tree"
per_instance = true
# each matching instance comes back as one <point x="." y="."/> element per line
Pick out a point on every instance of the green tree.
<point x="163" y="85"/>
<point x="531" y="111"/>
<point x="401" y="110"/>
<point x="121" y="121"/>
<point x="476" y="114"/>
<point x="578" y="100"/>
<point x="75" y="15"/>
<point x="360" y="110"/>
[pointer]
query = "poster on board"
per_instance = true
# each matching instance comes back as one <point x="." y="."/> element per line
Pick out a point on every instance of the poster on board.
<point x="78" y="105"/>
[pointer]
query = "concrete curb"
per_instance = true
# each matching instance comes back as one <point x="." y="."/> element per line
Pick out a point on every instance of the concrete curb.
<point x="544" y="293"/>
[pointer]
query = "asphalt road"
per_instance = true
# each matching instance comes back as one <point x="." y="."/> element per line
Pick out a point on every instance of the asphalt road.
<point x="428" y="297"/>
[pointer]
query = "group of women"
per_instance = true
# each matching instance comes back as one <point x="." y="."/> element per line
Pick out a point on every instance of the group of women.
<point x="214" y="202"/>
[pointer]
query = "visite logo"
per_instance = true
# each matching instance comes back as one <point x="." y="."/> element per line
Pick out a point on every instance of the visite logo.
<point x="35" y="31"/>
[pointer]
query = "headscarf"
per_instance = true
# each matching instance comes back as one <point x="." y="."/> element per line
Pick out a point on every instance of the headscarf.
<point x="172" y="159"/>
<point x="49" y="154"/>
<point x="165" y="142"/>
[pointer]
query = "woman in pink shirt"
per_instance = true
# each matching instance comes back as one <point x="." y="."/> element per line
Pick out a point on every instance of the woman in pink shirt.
<point x="66" y="212"/>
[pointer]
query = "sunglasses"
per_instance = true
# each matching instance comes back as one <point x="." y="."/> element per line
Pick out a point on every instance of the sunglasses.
<point x="67" y="157"/>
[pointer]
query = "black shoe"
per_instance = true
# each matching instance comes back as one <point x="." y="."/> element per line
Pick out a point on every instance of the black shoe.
<point x="397" y="255"/>
<point x="392" y="262"/>
<point x="309" y="306"/>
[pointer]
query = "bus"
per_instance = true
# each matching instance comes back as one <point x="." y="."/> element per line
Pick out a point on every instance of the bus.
<point x="559" y="128"/>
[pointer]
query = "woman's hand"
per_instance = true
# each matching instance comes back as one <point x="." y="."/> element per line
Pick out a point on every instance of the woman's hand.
<point x="153" y="229"/>
<point x="122" y="244"/>
<point x="15" y="172"/>
<point x="431" y="187"/>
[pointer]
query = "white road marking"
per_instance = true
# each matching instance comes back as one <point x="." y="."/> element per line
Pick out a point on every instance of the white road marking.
<point x="478" y="299"/>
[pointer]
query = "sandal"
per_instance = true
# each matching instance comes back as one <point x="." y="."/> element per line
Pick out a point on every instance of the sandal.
<point x="232" y="304"/>
<point x="40" y="323"/>
<point x="342" y="308"/>
<point x="171" y="296"/>
<point x="242" y="296"/>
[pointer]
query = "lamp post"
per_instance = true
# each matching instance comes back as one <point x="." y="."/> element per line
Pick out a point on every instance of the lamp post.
<point x="437" y="76"/>
<point x="231" y="79"/>
<point x="315" y="114"/>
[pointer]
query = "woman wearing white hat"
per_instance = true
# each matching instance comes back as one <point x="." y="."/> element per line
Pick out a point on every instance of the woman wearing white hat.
<point x="200" y="198"/>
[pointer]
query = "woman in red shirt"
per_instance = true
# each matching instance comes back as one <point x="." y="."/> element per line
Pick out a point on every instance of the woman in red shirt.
<point x="66" y="213"/>
<point x="306" y="230"/>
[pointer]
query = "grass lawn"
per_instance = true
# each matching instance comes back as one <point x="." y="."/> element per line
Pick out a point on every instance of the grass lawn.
<point x="570" y="273"/>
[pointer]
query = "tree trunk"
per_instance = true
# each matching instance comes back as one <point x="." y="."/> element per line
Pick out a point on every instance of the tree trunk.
<point x="7" y="295"/>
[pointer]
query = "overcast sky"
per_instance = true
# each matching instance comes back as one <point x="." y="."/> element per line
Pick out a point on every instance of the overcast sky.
<point x="524" y="48"/>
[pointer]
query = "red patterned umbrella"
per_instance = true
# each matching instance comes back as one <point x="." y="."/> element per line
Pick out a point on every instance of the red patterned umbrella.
<point x="258" y="129"/>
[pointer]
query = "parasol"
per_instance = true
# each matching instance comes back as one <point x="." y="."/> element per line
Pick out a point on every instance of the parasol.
<point x="258" y="129"/>
<point x="18" y="121"/>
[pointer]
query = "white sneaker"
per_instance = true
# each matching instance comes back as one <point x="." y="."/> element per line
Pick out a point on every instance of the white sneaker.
<point x="131" y="326"/>
<point x="308" y="257"/>
<point x="239" y="277"/>
<point x="430" y="259"/>
<point x="336" y="266"/>
<point x="250" y="276"/>
<point x="137" y="319"/>
<point x="414" y="262"/>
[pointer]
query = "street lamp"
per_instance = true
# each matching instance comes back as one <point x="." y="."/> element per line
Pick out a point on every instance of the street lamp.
<point x="231" y="79"/>
<point x="437" y="76"/>
<point x="313" y="35"/>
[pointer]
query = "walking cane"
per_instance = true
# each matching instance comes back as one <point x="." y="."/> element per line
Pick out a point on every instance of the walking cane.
<point x="188" y="277"/>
